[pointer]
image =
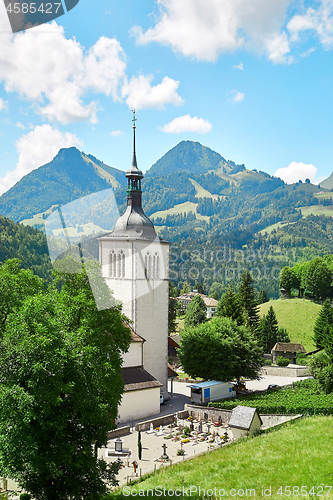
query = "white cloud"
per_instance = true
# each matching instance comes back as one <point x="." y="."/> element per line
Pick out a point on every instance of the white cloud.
<point x="140" y="94"/>
<point x="3" y="104"/>
<point x="239" y="66"/>
<point x="116" y="133"/>
<point x="298" y="171"/>
<point x="319" y="21"/>
<point x="308" y="52"/>
<point x="204" y="29"/>
<point x="237" y="96"/>
<point x="278" y="48"/>
<point x="20" y="125"/>
<point x="187" y="124"/>
<point x="35" y="149"/>
<point x="55" y="73"/>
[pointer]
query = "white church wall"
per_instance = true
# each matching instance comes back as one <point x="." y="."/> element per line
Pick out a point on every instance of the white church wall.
<point x="139" y="404"/>
<point x="134" y="355"/>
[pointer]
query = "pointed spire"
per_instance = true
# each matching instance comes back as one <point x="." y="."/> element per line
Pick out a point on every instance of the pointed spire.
<point x="134" y="172"/>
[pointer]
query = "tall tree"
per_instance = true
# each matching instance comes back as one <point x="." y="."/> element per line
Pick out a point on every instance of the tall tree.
<point x="220" y="350"/>
<point x="173" y="308"/>
<point x="287" y="279"/>
<point x="229" y="305"/>
<point x="268" y="330"/>
<point x="196" y="312"/>
<point x="323" y="324"/>
<point x="248" y="301"/>
<point x="60" y="387"/>
<point x="319" y="278"/>
<point x="199" y="288"/>
<point x="263" y="297"/>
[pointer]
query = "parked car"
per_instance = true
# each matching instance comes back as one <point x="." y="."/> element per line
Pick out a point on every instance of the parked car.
<point x="273" y="387"/>
<point x="163" y="399"/>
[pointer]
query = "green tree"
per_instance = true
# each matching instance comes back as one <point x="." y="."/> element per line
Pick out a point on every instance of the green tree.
<point x="248" y="301"/>
<point x="196" y="312"/>
<point x="60" y="387"/>
<point x="263" y="297"/>
<point x="322" y="325"/>
<point x="319" y="278"/>
<point x="173" y="308"/>
<point x="199" y="288"/>
<point x="229" y="306"/>
<point x="186" y="288"/>
<point x="268" y="330"/>
<point x="216" y="290"/>
<point x="287" y="279"/>
<point x="220" y="350"/>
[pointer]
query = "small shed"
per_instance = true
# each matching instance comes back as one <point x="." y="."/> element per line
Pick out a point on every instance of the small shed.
<point x="244" y="420"/>
<point x="287" y="350"/>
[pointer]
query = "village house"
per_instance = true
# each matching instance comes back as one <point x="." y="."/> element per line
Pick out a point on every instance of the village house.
<point x="286" y="350"/>
<point x="211" y="304"/>
<point x="244" y="420"/>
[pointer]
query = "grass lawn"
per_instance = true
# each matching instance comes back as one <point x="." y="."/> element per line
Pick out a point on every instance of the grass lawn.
<point x="317" y="210"/>
<point x="295" y="455"/>
<point x="298" y="316"/>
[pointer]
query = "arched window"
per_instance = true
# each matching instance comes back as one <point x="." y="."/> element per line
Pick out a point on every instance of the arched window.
<point x="156" y="264"/>
<point x="148" y="266"/>
<point x="112" y="264"/>
<point x="121" y="264"/>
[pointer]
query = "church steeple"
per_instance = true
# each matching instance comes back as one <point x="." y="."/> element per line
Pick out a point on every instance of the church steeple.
<point x="134" y="176"/>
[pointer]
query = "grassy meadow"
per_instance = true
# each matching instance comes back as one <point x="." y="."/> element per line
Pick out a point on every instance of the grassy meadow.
<point x="298" y="316"/>
<point x="294" y="455"/>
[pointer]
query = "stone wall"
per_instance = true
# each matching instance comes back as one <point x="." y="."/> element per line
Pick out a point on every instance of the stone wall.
<point x="121" y="431"/>
<point x="210" y="414"/>
<point x="285" y="371"/>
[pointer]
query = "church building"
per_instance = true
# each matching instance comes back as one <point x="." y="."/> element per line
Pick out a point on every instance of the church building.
<point x="135" y="266"/>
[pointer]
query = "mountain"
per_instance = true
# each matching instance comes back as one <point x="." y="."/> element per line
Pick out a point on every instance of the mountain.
<point x="69" y="176"/>
<point x="327" y="183"/>
<point x="191" y="157"/>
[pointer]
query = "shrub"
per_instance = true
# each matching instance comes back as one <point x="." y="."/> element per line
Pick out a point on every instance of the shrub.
<point x="268" y="362"/>
<point x="25" y="496"/>
<point x="281" y="361"/>
<point x="180" y="452"/>
<point x="301" y="358"/>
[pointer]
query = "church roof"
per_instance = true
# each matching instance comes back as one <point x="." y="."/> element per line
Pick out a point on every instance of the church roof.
<point x="133" y="224"/>
<point x="137" y="378"/>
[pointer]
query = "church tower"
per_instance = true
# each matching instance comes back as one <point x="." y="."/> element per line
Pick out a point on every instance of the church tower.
<point x="135" y="265"/>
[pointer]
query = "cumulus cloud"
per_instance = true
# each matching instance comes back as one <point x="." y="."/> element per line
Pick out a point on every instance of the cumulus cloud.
<point x="204" y="29"/>
<point x="140" y="94"/>
<point x="56" y="74"/>
<point x="35" y="149"/>
<point x="187" y="124"/>
<point x="319" y="21"/>
<point x="116" y="133"/>
<point x="237" y="96"/>
<point x="296" y="171"/>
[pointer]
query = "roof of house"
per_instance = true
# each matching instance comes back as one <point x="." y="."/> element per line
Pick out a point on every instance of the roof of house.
<point x="288" y="347"/>
<point x="242" y="417"/>
<point x="137" y="378"/>
<point x="134" y="336"/>
<point x="209" y="301"/>
<point x="175" y="340"/>
<point x="171" y="372"/>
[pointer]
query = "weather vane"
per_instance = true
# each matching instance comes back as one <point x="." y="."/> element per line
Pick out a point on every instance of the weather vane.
<point x="134" y="119"/>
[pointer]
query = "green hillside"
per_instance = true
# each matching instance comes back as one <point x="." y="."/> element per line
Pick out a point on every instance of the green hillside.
<point x="295" y="455"/>
<point x="298" y="316"/>
<point x="27" y="244"/>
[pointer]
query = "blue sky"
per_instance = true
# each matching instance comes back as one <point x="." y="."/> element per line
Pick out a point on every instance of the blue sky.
<point x="251" y="79"/>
